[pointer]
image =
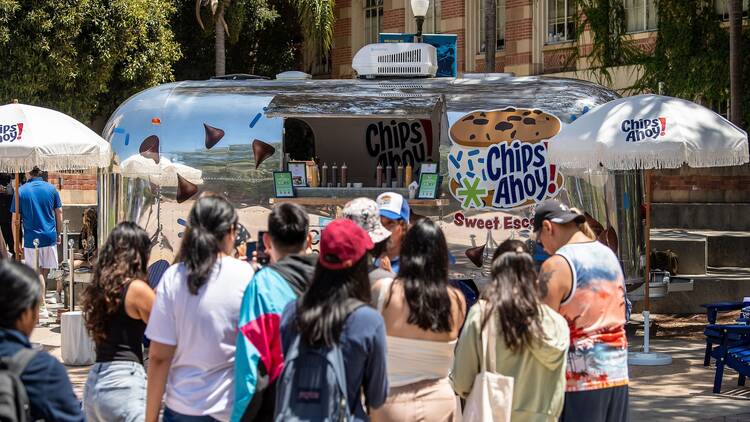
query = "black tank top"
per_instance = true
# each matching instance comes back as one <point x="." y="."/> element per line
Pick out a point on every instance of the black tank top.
<point x="124" y="341"/>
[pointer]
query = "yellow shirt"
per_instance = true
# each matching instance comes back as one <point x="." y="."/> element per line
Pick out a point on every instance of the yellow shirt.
<point x="538" y="371"/>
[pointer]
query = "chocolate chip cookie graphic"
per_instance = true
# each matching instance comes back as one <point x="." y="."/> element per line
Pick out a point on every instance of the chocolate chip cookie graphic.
<point x="486" y="128"/>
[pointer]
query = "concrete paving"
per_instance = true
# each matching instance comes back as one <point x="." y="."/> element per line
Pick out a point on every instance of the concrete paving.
<point x="682" y="391"/>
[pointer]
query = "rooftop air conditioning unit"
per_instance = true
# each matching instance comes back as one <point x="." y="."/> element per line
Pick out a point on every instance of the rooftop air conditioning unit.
<point x="396" y="59"/>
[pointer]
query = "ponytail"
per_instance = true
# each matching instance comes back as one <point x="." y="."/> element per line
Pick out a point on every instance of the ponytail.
<point x="211" y="218"/>
<point x="584" y="226"/>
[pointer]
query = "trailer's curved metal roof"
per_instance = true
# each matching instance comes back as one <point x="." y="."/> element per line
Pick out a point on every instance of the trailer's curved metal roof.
<point x="238" y="107"/>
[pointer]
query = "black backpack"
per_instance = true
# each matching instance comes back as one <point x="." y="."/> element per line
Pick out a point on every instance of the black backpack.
<point x="14" y="403"/>
<point x="312" y="385"/>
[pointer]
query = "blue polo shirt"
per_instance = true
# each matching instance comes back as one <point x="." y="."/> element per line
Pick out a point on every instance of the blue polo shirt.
<point x="39" y="200"/>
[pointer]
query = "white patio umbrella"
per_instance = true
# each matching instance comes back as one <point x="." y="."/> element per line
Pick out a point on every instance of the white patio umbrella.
<point x="39" y="137"/>
<point x="647" y="132"/>
<point x="163" y="174"/>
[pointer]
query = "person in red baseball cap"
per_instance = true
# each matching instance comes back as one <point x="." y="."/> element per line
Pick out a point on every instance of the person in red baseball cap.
<point x="334" y="312"/>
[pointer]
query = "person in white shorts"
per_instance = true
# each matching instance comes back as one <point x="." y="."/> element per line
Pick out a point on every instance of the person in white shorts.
<point x="41" y="216"/>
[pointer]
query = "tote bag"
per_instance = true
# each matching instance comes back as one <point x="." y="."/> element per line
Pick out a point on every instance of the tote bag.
<point x="491" y="397"/>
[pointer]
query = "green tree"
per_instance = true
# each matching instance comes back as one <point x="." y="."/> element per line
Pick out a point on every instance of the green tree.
<point x="83" y="57"/>
<point x="263" y="39"/>
<point x="228" y="18"/>
<point x="691" y="55"/>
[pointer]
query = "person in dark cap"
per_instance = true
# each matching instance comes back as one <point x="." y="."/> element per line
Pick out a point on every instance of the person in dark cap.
<point x="584" y="282"/>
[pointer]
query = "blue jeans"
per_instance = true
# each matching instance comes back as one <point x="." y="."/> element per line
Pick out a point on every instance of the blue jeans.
<point x="172" y="416"/>
<point x="115" y="392"/>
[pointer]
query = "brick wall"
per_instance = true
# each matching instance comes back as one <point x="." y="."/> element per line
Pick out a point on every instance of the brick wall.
<point x="716" y="184"/>
<point x="341" y="52"/>
<point x="499" y="63"/>
<point x="393" y="20"/>
<point x="558" y="60"/>
<point x="75" y="187"/>
<point x="73" y="181"/>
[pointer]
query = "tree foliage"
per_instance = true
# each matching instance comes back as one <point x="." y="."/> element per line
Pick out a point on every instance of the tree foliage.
<point x="83" y="57"/>
<point x="691" y="55"/>
<point x="609" y="45"/>
<point x="264" y="38"/>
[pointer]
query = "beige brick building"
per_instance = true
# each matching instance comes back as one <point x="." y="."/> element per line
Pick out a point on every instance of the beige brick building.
<point x="534" y="36"/>
<point x="537" y="37"/>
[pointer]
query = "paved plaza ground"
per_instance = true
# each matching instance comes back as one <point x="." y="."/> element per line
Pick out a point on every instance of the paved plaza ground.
<point x="681" y="391"/>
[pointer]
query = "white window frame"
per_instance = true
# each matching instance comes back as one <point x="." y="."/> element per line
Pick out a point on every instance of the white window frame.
<point x="643" y="25"/>
<point x="500" y="22"/>
<point x="376" y="7"/>
<point x="723" y="5"/>
<point x="550" y="18"/>
<point x="433" y="18"/>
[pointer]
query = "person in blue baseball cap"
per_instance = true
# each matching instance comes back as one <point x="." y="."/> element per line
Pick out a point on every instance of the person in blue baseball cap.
<point x="394" y="215"/>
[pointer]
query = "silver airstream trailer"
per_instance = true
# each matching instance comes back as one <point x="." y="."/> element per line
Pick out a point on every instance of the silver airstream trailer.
<point x="487" y="134"/>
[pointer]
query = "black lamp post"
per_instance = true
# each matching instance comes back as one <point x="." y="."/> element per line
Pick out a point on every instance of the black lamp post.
<point x="419" y="7"/>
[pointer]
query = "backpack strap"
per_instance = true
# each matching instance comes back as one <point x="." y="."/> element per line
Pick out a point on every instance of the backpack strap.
<point x="19" y="361"/>
<point x="338" y="361"/>
<point x="352" y="305"/>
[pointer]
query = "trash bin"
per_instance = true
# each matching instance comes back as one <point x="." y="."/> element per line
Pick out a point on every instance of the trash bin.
<point x="77" y="348"/>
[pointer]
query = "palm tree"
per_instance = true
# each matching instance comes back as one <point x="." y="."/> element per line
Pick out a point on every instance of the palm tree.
<point x="218" y="7"/>
<point x="490" y="35"/>
<point x="316" y="16"/>
<point x="317" y="19"/>
<point x="735" y="63"/>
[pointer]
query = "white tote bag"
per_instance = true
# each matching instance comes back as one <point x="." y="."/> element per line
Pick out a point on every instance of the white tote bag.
<point x="491" y="397"/>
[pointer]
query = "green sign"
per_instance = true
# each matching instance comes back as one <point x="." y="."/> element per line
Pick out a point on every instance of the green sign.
<point x="282" y="184"/>
<point x="428" y="185"/>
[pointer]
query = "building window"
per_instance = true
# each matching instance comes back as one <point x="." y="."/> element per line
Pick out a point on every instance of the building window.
<point x="722" y="8"/>
<point x="560" y="21"/>
<point x="373" y="20"/>
<point x="499" y="26"/>
<point x="432" y="20"/>
<point x="640" y="15"/>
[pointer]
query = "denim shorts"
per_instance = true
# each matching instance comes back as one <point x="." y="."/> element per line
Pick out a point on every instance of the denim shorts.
<point x="115" y="392"/>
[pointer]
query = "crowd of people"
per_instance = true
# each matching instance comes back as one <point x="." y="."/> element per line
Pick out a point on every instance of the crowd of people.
<point x="368" y="328"/>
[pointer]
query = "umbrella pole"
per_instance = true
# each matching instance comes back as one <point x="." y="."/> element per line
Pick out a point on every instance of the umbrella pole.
<point x="647" y="275"/>
<point x="647" y="357"/>
<point x="17" y="224"/>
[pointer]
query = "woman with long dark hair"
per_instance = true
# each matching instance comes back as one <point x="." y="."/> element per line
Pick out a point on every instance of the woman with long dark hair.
<point x="193" y="325"/>
<point x="423" y="315"/>
<point x="530" y="340"/>
<point x="87" y="241"/>
<point x="117" y="304"/>
<point x="333" y="312"/>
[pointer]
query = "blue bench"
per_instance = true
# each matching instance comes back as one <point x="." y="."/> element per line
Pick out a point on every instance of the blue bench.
<point x="713" y="336"/>
<point x="735" y="356"/>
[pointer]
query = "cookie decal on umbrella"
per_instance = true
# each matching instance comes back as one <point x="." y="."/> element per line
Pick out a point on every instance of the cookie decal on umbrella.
<point x="185" y="189"/>
<point x="150" y="148"/>
<point x="498" y="159"/>
<point x="261" y="151"/>
<point x="476" y="255"/>
<point x="213" y="135"/>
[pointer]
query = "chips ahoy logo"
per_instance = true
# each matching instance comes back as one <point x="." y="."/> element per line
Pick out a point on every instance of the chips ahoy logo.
<point x="639" y="130"/>
<point x="11" y="133"/>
